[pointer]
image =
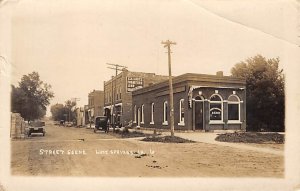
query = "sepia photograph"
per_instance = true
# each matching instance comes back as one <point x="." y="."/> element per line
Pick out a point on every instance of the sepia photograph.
<point x="149" y="95"/>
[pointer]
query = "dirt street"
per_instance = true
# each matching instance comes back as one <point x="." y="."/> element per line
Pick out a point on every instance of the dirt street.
<point x="69" y="151"/>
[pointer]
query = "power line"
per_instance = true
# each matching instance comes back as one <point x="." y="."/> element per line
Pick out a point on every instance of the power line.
<point x="116" y="67"/>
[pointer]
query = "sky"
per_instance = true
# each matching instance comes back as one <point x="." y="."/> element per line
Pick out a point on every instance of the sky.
<point x="69" y="42"/>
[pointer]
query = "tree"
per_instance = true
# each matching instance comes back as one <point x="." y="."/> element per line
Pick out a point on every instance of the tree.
<point x="32" y="97"/>
<point x="64" y="112"/>
<point x="58" y="112"/>
<point x="265" y="93"/>
<point x="70" y="105"/>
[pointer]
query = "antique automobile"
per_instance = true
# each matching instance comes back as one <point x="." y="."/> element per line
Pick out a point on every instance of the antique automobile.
<point x="101" y="123"/>
<point x="36" y="127"/>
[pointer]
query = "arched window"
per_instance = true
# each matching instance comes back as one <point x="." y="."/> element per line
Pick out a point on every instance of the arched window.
<point x="233" y="108"/>
<point x="134" y="113"/>
<point x="152" y="113"/>
<point x="165" y="120"/>
<point x="181" y="112"/>
<point x="142" y="115"/>
<point x="216" y="108"/>
<point x="198" y="98"/>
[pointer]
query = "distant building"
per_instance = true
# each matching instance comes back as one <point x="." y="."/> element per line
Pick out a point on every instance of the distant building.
<point x="86" y="115"/>
<point x="201" y="102"/>
<point x="79" y="116"/>
<point x="95" y="104"/>
<point x="118" y="93"/>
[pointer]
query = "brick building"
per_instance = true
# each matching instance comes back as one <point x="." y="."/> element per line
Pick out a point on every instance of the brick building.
<point x="118" y="93"/>
<point x="201" y="102"/>
<point x="95" y="104"/>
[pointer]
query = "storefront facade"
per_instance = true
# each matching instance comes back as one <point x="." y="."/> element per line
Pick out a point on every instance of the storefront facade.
<point x="118" y="94"/>
<point x="201" y="102"/>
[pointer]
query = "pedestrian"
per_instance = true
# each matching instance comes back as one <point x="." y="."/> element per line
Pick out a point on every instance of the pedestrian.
<point x="107" y="126"/>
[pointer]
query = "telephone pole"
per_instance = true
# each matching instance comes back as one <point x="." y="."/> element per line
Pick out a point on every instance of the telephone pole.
<point x="168" y="44"/>
<point x="117" y="68"/>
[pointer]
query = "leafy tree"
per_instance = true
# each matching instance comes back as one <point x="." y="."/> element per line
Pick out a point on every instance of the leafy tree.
<point x="18" y="98"/>
<point x="265" y="93"/>
<point x="70" y="106"/>
<point x="64" y="112"/>
<point x="32" y="97"/>
<point x="58" y="111"/>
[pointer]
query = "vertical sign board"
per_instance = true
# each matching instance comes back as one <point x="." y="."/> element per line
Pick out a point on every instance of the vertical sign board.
<point x="134" y="83"/>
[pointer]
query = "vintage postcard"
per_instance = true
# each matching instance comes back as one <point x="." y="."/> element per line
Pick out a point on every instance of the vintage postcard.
<point x="149" y="95"/>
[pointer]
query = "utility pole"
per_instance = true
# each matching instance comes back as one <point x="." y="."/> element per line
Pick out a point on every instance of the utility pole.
<point x="117" y="68"/>
<point x="168" y="44"/>
<point x="75" y="99"/>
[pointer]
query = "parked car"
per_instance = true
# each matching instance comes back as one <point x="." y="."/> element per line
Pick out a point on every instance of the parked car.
<point x="36" y="127"/>
<point x="101" y="123"/>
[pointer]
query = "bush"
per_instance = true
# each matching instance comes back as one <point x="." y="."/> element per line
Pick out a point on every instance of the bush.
<point x="251" y="137"/>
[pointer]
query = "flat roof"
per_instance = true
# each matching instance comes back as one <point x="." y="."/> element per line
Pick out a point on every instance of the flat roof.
<point x="192" y="77"/>
<point x="133" y="72"/>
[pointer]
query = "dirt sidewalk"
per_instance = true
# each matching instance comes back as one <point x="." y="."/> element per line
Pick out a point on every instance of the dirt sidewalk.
<point x="208" y="137"/>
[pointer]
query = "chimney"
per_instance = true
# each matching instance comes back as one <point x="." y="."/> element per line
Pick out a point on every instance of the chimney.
<point x="219" y="73"/>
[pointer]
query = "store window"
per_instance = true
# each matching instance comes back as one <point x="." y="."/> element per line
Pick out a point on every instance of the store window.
<point x="181" y="112"/>
<point x="216" y="108"/>
<point x="142" y="121"/>
<point x="233" y="108"/>
<point x="165" y="121"/>
<point x="117" y="94"/>
<point x="134" y="117"/>
<point x="152" y="113"/>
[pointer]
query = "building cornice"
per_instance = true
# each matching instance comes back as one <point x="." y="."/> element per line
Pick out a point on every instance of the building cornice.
<point x="196" y="78"/>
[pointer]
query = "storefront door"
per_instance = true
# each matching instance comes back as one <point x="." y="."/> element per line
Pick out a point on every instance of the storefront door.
<point x="198" y="115"/>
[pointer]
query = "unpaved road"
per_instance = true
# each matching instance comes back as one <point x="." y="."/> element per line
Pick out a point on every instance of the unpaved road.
<point x="104" y="155"/>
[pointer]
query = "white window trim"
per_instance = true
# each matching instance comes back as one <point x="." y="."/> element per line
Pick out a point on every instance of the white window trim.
<point x="234" y="122"/>
<point x="215" y="122"/>
<point x="134" y="117"/>
<point x="222" y="110"/>
<point x="181" y="122"/>
<point x="165" y="122"/>
<point x="152" y="114"/>
<point x="235" y="102"/>
<point x="142" y="115"/>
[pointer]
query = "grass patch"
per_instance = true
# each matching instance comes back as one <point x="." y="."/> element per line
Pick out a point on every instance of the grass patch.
<point x="167" y="139"/>
<point x="251" y="137"/>
<point x="127" y="134"/>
